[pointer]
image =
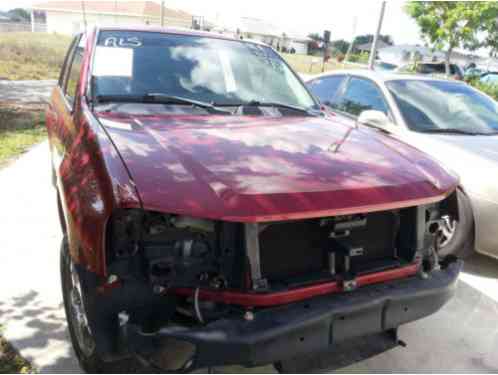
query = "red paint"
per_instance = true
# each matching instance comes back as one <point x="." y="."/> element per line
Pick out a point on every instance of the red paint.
<point x="295" y="295"/>
<point x="255" y="169"/>
<point x="380" y="277"/>
<point x="237" y="168"/>
<point x="85" y="70"/>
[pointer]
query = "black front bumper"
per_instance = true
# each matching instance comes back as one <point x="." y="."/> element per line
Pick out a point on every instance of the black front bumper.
<point x="311" y="326"/>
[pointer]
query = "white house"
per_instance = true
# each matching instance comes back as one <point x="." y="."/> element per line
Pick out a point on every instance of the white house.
<point x="68" y="17"/>
<point x="266" y="32"/>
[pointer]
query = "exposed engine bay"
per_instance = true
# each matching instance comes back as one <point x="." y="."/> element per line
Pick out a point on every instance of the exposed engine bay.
<point x="196" y="262"/>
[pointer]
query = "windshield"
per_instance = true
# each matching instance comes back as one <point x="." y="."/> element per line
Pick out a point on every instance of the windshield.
<point x="209" y="70"/>
<point x="432" y="106"/>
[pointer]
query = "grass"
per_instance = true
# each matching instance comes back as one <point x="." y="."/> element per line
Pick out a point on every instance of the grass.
<point x="40" y="56"/>
<point x="20" y="128"/>
<point x="312" y="64"/>
<point x="491" y="90"/>
<point x="32" y="55"/>
<point x="10" y="361"/>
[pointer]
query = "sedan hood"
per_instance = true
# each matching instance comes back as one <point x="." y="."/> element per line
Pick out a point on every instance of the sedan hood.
<point x="473" y="157"/>
<point x="484" y="146"/>
<point x="257" y="168"/>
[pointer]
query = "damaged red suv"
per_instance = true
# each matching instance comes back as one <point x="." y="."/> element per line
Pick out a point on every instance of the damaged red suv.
<point x="212" y="215"/>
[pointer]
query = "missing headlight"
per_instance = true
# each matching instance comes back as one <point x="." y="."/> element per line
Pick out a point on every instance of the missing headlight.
<point x="168" y="250"/>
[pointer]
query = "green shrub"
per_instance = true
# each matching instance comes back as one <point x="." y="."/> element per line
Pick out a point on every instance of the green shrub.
<point x="361" y="58"/>
<point x="339" y="56"/>
<point x="491" y="90"/>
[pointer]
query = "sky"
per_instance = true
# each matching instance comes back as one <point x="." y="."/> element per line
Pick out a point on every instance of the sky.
<point x="303" y="17"/>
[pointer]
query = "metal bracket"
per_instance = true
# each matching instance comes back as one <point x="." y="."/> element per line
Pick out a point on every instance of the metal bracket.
<point x="349" y="285"/>
<point x="251" y="232"/>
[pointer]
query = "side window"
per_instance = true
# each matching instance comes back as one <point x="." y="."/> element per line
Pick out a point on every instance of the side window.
<point x="326" y="88"/>
<point x="74" y="71"/>
<point x="361" y="95"/>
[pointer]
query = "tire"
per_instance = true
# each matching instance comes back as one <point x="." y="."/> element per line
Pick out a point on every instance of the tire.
<point x="461" y="243"/>
<point x="87" y="357"/>
<point x="60" y="212"/>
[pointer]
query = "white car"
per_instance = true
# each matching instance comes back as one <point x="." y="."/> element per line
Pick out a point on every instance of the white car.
<point x="447" y="119"/>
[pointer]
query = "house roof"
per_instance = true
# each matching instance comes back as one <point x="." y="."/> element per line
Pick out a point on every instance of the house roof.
<point x="263" y="27"/>
<point x="129" y="8"/>
<point x="258" y="26"/>
<point x="368" y="46"/>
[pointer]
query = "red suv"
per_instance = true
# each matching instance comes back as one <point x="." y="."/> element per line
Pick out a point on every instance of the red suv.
<point x="212" y="213"/>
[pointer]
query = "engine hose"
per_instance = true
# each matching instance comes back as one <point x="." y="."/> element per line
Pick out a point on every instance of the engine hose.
<point x="196" y="306"/>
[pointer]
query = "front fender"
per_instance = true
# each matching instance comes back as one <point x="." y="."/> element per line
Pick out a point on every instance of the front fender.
<point x="92" y="182"/>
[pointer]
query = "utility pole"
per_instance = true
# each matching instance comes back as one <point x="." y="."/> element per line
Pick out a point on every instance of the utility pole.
<point x="162" y="13"/>
<point x="350" y="48"/>
<point x="373" y="51"/>
<point x="32" y="20"/>
<point x="84" y="13"/>
<point x="326" y="40"/>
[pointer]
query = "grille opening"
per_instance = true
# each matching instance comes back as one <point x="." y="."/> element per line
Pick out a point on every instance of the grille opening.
<point x="296" y="253"/>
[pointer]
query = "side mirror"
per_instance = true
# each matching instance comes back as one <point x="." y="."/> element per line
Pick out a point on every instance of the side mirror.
<point x="376" y="119"/>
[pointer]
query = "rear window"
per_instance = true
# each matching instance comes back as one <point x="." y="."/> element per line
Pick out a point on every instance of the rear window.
<point x="437" y="69"/>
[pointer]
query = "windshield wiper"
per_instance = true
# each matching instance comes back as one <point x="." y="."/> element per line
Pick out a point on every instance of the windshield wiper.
<point x="256" y="103"/>
<point x="449" y="131"/>
<point x="159" y="98"/>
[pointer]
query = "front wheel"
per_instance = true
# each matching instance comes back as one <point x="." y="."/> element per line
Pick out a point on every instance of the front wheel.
<point x="73" y="292"/>
<point x="456" y="237"/>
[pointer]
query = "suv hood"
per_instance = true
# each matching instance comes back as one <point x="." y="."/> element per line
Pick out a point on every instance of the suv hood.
<point x="270" y="168"/>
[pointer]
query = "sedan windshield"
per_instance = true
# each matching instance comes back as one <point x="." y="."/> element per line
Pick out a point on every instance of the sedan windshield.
<point x="132" y="65"/>
<point x="444" y="107"/>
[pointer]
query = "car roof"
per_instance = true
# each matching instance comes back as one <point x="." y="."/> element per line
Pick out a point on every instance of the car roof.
<point x="177" y="31"/>
<point x="381" y="76"/>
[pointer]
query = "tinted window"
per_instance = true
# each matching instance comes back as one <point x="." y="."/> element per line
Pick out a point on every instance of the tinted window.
<point x="383" y="66"/>
<point x="224" y="72"/>
<point x="361" y="95"/>
<point x="74" y="71"/>
<point x="326" y="88"/>
<point x="435" y="69"/>
<point x="441" y="106"/>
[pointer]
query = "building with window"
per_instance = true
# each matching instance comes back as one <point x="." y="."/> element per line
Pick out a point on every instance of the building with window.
<point x="68" y="17"/>
<point x="266" y="32"/>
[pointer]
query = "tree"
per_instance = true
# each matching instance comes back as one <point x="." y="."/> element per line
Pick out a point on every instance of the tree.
<point x="388" y="39"/>
<point x="363" y="39"/>
<point x="340" y="45"/>
<point x="490" y="29"/>
<point x="19" y="15"/>
<point x="447" y="25"/>
<point x="316" y="37"/>
<point x="368" y="38"/>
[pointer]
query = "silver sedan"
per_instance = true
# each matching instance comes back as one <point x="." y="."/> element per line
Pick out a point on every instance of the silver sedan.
<point x="449" y="120"/>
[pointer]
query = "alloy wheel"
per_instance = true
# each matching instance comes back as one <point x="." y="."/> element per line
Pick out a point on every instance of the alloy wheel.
<point x="79" y="319"/>
<point x="447" y="230"/>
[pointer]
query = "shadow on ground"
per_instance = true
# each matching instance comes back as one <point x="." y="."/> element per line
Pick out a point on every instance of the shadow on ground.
<point x="32" y="326"/>
<point x="481" y="265"/>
